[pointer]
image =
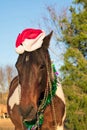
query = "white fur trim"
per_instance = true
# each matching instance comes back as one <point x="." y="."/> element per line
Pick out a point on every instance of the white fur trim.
<point x="15" y="97"/>
<point x="20" y="49"/>
<point x="31" y="44"/>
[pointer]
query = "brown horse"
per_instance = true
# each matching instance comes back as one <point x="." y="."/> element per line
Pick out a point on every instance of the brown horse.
<point x="28" y="91"/>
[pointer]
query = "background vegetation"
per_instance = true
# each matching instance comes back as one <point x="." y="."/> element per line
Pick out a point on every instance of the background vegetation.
<point x="6" y="75"/>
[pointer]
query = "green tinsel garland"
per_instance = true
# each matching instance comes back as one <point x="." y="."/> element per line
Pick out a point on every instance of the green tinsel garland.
<point x="35" y="123"/>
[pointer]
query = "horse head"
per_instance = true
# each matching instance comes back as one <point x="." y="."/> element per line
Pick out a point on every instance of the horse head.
<point x="32" y="70"/>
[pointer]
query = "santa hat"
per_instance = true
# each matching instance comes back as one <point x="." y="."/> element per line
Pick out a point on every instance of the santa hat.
<point x="29" y="40"/>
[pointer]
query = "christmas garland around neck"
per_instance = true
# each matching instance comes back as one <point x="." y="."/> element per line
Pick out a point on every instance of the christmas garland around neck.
<point x="39" y="121"/>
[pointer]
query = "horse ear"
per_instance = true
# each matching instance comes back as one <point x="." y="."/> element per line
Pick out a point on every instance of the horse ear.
<point x="46" y="40"/>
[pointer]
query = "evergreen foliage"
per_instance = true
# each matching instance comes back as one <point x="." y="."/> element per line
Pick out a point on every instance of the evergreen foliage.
<point x="74" y="70"/>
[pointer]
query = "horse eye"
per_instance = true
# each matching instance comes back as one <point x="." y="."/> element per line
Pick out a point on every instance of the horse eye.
<point x="42" y="66"/>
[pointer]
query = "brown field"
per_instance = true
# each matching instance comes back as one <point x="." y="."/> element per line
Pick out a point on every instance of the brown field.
<point x="6" y="124"/>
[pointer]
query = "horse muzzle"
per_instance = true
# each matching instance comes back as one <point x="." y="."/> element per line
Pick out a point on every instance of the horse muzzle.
<point x="28" y="114"/>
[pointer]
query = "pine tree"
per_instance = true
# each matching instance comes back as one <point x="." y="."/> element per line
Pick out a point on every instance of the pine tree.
<point x="74" y="70"/>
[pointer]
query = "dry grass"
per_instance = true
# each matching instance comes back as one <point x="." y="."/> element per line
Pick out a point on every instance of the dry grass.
<point x="6" y="124"/>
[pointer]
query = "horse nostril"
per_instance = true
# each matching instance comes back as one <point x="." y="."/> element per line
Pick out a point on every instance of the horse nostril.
<point x="29" y="113"/>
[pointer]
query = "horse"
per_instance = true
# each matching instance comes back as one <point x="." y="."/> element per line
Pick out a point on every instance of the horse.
<point x="34" y="100"/>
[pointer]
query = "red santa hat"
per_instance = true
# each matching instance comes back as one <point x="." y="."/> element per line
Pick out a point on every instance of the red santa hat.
<point x="29" y="40"/>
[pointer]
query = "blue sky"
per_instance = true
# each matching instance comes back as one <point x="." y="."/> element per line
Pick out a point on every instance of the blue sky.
<point x="16" y="15"/>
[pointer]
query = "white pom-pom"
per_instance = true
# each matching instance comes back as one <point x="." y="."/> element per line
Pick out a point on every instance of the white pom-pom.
<point x="20" y="49"/>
